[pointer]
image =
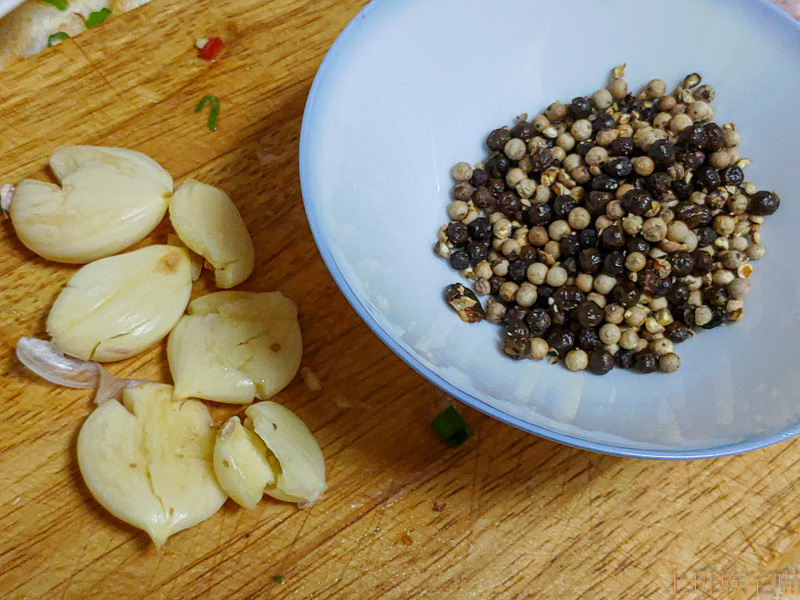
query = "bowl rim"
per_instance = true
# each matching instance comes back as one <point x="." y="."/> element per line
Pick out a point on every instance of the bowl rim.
<point x="314" y="102"/>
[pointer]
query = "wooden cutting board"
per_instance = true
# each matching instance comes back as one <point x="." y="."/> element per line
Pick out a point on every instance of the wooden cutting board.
<point x="507" y="515"/>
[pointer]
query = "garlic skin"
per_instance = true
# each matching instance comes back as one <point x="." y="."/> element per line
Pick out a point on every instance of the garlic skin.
<point x="148" y="461"/>
<point x="117" y="307"/>
<point x="235" y="346"/>
<point x="109" y="199"/>
<point x="209" y="223"/>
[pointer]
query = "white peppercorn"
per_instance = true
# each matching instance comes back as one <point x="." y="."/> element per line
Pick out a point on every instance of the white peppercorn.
<point x="441" y="249"/>
<point x="581" y="129"/>
<point x="664" y="317"/>
<point x="526" y="188"/>
<point x="635" y="262"/>
<point x="558" y="153"/>
<point x="483" y="270"/>
<point x="457" y="210"/>
<point x="539" y="348"/>
<point x="618" y="88"/>
<point x="732" y="259"/>
<point x="654" y="230"/>
<point x="556" y="111"/>
<point x="461" y="171"/>
<point x="755" y="251"/>
<point x="495" y="311"/>
<point x="515" y="148"/>
<point x="720" y="159"/>
<point x="680" y="122"/>
<point x="722" y="277"/>
<point x="677" y="231"/>
<point x="502" y="228"/>
<point x="571" y="162"/>
<point x="500" y="267"/>
<point x="514" y="176"/>
<point x="602" y="99"/>
<point x="579" y="218"/>
<point x="536" y="273"/>
<point x="576" y="360"/>
<point x="482" y="287"/>
<point x="690" y="242"/>
<point x="614" y="210"/>
<point x="724" y="225"/>
<point x="733" y="305"/>
<point x="628" y="339"/>
<point x="606" y="137"/>
<point x="508" y="291"/>
<point x="602" y="222"/>
<point x="731" y="138"/>
<point x="542" y="193"/>
<point x="558" y="229"/>
<point x="614" y="313"/>
<point x="609" y="333"/>
<point x="537" y="236"/>
<point x="657" y="304"/>
<point x="540" y="123"/>
<point x="632" y="225"/>
<point x="596" y="157"/>
<point x="695" y="298"/>
<point x="698" y="111"/>
<point x="497" y="243"/>
<point x="702" y="315"/>
<point x="565" y="141"/>
<point x="510" y="246"/>
<point x="526" y="294"/>
<point x="584" y="282"/>
<point x="580" y="174"/>
<point x="669" y="363"/>
<point x="643" y="165"/>
<point x="598" y="299"/>
<point x="635" y="316"/>
<point x="556" y="276"/>
<point x="553" y="250"/>
<point x="472" y="214"/>
<point x="603" y="284"/>
<point x="739" y="243"/>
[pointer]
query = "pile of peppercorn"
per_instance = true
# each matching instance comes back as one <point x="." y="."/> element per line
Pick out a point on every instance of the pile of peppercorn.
<point x="608" y="229"/>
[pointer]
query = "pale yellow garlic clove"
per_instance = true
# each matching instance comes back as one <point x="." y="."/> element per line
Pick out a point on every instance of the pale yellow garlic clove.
<point x="240" y="464"/>
<point x="109" y="199"/>
<point x="148" y="461"/>
<point x="235" y="346"/>
<point x="301" y="472"/>
<point x="209" y="223"/>
<point x="119" y="306"/>
<point x="197" y="261"/>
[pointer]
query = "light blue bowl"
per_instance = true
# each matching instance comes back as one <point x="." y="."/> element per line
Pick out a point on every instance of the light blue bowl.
<point x="413" y="86"/>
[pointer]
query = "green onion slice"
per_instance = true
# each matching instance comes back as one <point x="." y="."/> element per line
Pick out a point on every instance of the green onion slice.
<point x="451" y="428"/>
<point x="278" y="578"/>
<point x="56" y="38"/>
<point x="59" y="4"/>
<point x="97" y="18"/>
<point x="213" y="115"/>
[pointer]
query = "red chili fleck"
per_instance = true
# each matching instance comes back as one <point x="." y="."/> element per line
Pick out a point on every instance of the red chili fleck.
<point x="212" y="48"/>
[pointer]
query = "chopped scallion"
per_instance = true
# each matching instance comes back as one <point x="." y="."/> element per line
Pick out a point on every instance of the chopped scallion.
<point x="278" y="578"/>
<point x="56" y="38"/>
<point x="451" y="428"/>
<point x="59" y="4"/>
<point x="213" y="103"/>
<point x="97" y="18"/>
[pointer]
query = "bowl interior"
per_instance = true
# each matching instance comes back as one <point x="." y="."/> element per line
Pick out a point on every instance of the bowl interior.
<point x="410" y="88"/>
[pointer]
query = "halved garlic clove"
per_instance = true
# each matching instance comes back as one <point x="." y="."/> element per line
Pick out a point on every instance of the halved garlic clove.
<point x="109" y="199"/>
<point x="240" y="463"/>
<point x="208" y="222"/>
<point x="301" y="472"/>
<point x="197" y="261"/>
<point x="119" y="306"/>
<point x="149" y="461"/>
<point x="234" y="346"/>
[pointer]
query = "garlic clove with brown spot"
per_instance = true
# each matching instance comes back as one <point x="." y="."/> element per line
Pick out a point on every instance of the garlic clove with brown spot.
<point x="109" y="199"/>
<point x="117" y="307"/>
<point x="241" y="464"/>
<point x="209" y="223"/>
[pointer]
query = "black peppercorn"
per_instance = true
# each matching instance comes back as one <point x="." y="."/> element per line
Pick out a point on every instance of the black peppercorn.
<point x="715" y="295"/>
<point x="604" y="183"/>
<point x="523" y="130"/>
<point x="596" y="203"/>
<point x="479" y="178"/>
<point x="647" y="361"/>
<point x="685" y="314"/>
<point x="580" y="108"/>
<point x="682" y="189"/>
<point x="691" y="159"/>
<point x="662" y="153"/>
<point x="648" y="114"/>
<point x="602" y="121"/>
<point x="517" y="271"/>
<point x="717" y="318"/>
<point x="693" y="214"/>
<point x="636" y="202"/>
<point x="625" y="293"/>
<point x="498" y="165"/>
<point x="589" y="314"/>
<point x="590" y="260"/>
<point x="649" y="281"/>
<point x="614" y="263"/>
<point x="457" y="234"/>
<point x="480" y="229"/>
<point x="612" y="237"/>
<point x="538" y="322"/>
<point x="763" y="203"/>
<point x="638" y="244"/>
<point x="540" y="214"/>
<point x="706" y="237"/>
<point x="679" y="294"/>
<point x="682" y="264"/>
<point x="497" y="187"/>
<point x="693" y="136"/>
<point x="569" y="244"/>
<point x="517" y="326"/>
<point x="619" y="167"/>
<point x="600" y="361"/>
<point x="459" y="260"/>
<point x="544" y="293"/>
<point x="568" y="297"/>
<point x="570" y="264"/>
<point x="625" y="358"/>
<point x="677" y="332"/>
<point x="622" y="146"/>
<point x="561" y="340"/>
<point x="664" y="287"/>
<point x="510" y="203"/>
<point x="515" y="313"/>
<point x="732" y="176"/>
<point x="498" y="139"/>
<point x="588" y="339"/>
<point x="563" y="205"/>
<point x="714" y="137"/>
<point x="495" y="281"/>
<point x="658" y="183"/>
<point x="542" y="159"/>
<point x="528" y="254"/>
<point x="702" y="262"/>
<point x="477" y="251"/>
<point x="582" y="148"/>
<point x="707" y="176"/>
<point x="588" y="238"/>
<point x="517" y="346"/>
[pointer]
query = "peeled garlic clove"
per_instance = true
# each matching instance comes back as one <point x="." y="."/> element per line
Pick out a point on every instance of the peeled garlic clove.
<point x="109" y="199"/>
<point x="149" y="461"/>
<point x="119" y="306"/>
<point x="208" y="222"/>
<point x="240" y="463"/>
<point x="194" y="257"/>
<point x="301" y="473"/>
<point x="234" y="346"/>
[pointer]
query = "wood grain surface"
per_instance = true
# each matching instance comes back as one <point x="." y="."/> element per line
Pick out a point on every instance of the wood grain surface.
<point x="507" y="515"/>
